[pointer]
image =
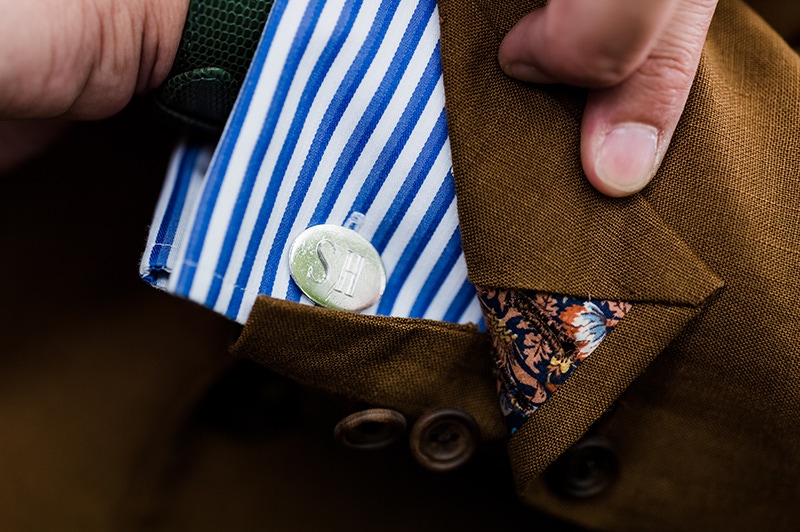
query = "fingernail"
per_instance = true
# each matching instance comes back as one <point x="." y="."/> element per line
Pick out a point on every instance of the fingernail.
<point x="626" y="160"/>
<point x="525" y="72"/>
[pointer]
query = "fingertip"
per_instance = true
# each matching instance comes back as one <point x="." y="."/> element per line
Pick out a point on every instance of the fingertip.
<point x="525" y="72"/>
<point x="623" y="160"/>
<point x="517" y="53"/>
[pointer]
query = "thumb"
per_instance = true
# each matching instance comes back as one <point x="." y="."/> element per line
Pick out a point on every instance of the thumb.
<point x="637" y="58"/>
<point x="627" y="128"/>
<point x="83" y="59"/>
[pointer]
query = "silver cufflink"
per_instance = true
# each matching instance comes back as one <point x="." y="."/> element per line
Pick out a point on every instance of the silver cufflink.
<point x="337" y="268"/>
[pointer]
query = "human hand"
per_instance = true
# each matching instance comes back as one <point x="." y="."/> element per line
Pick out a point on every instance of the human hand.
<point x="81" y="59"/>
<point x="638" y="58"/>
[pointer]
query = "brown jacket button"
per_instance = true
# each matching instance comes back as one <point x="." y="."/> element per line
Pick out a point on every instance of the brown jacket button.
<point x="585" y="470"/>
<point x="444" y="439"/>
<point x="371" y="429"/>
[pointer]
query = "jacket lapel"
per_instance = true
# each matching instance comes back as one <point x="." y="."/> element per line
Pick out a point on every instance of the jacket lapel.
<point x="530" y="221"/>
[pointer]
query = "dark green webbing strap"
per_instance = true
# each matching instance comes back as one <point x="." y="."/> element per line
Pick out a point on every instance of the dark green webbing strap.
<point x="218" y="43"/>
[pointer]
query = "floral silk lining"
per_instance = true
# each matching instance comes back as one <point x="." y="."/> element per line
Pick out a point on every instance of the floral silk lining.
<point x="539" y="339"/>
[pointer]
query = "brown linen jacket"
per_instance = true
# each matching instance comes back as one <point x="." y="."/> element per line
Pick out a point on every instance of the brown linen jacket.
<point x="700" y="381"/>
<point x="104" y="382"/>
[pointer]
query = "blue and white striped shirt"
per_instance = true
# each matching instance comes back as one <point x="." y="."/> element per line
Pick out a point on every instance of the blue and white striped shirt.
<point x="340" y="121"/>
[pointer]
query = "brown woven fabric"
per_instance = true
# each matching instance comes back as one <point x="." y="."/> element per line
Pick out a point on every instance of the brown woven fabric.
<point x="709" y="435"/>
<point x="410" y="365"/>
<point x="118" y="412"/>
<point x="701" y="377"/>
<point x="529" y="219"/>
<point x="698" y="386"/>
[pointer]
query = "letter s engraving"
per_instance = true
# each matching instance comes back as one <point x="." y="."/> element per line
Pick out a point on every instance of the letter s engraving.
<point x="323" y="261"/>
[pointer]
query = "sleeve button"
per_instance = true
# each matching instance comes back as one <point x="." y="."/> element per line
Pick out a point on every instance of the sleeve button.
<point x="586" y="470"/>
<point x="371" y="429"/>
<point x="444" y="439"/>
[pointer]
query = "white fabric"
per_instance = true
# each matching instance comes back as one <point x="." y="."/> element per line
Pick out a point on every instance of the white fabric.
<point x="340" y="121"/>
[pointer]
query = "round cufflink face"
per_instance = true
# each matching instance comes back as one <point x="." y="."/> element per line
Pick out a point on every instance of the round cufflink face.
<point x="444" y="439"/>
<point x="337" y="268"/>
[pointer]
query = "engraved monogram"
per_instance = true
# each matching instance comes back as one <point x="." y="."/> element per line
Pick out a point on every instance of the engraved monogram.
<point x="337" y="268"/>
<point x="350" y="271"/>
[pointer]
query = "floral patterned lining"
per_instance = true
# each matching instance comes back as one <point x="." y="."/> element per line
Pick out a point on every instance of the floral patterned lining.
<point x="539" y="339"/>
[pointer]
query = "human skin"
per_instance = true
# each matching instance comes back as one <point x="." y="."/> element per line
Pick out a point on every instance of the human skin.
<point x="83" y="59"/>
<point x="637" y="57"/>
<point x="66" y="60"/>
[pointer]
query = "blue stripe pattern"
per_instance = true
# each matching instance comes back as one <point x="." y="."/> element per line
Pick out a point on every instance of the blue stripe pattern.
<point x="422" y="236"/>
<point x="341" y="118"/>
<point x="366" y="125"/>
<point x="224" y="152"/>
<point x="400" y="134"/>
<point x="178" y="196"/>
<point x="177" y="199"/>
<point x="333" y="114"/>
<point x="299" y="45"/>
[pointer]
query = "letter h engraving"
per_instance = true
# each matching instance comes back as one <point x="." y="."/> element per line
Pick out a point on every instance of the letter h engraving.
<point x="351" y="271"/>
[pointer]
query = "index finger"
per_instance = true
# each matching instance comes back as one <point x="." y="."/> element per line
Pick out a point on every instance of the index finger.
<point x="587" y="43"/>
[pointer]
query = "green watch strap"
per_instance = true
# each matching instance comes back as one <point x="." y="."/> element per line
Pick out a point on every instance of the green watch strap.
<point x="218" y="43"/>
